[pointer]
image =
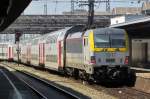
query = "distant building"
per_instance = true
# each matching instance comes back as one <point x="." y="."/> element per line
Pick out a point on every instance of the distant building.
<point x="102" y="13"/>
<point x="7" y="38"/>
<point x="11" y="37"/>
<point x="29" y="36"/>
<point x="126" y="10"/>
<point x="76" y="12"/>
<point x="146" y="8"/>
<point x="115" y="11"/>
<point x="85" y="12"/>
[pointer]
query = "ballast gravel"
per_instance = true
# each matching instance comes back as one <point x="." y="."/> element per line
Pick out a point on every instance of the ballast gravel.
<point x="63" y="81"/>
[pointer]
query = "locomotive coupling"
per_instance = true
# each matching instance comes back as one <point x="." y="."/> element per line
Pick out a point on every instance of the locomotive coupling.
<point x="113" y="73"/>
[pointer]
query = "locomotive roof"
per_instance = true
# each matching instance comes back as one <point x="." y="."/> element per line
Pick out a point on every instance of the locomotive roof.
<point x="104" y="31"/>
<point x="75" y="35"/>
<point x="108" y="30"/>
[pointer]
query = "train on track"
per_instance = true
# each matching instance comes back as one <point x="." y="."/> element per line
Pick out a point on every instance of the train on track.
<point x="94" y="54"/>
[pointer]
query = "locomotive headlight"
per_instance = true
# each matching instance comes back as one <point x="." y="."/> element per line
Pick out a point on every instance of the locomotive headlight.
<point x="126" y="60"/>
<point x="93" y="60"/>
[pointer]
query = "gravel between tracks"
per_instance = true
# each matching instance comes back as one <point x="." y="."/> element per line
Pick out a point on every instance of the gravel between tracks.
<point x="81" y="88"/>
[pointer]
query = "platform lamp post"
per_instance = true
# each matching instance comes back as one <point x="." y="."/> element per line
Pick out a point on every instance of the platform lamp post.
<point x="17" y="39"/>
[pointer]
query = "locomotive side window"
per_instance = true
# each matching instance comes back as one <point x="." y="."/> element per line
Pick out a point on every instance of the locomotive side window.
<point x="74" y="46"/>
<point x="85" y="41"/>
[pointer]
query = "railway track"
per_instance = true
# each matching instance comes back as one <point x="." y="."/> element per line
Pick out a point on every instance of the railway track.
<point x="121" y="92"/>
<point x="45" y="89"/>
<point x="124" y="92"/>
<point x="12" y="88"/>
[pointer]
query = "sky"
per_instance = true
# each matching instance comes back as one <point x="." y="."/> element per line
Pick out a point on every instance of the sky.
<point x="53" y="7"/>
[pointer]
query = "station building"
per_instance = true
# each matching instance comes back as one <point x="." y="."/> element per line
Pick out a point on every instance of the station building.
<point x="139" y="38"/>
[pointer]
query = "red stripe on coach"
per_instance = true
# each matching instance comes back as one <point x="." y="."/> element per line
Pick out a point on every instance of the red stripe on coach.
<point x="59" y="53"/>
<point x="43" y="52"/>
<point x="9" y="52"/>
<point x="39" y="53"/>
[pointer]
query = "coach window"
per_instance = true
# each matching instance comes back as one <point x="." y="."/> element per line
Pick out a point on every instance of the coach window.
<point x="51" y="41"/>
<point x="55" y="40"/>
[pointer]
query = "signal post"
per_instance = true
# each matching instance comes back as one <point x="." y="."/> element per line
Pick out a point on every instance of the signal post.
<point x="17" y="39"/>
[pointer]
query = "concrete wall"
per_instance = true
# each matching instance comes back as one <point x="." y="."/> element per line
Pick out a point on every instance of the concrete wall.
<point x="140" y="52"/>
<point x="136" y="53"/>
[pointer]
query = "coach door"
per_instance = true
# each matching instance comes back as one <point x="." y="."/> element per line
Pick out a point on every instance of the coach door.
<point x="60" y="54"/>
<point x="41" y="53"/>
<point x="86" y="50"/>
<point x="28" y="54"/>
<point x="10" y="53"/>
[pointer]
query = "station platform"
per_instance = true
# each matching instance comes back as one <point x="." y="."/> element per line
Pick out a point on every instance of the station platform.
<point x="142" y="72"/>
<point x="142" y="79"/>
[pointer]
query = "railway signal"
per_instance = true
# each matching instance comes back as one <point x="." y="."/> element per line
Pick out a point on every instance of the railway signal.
<point x="17" y="39"/>
<point x="17" y="36"/>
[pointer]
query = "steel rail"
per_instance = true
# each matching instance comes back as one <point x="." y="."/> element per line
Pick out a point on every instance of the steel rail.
<point x="52" y="85"/>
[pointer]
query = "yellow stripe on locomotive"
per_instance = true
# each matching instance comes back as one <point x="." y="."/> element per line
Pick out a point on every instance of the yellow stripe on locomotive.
<point x="102" y="49"/>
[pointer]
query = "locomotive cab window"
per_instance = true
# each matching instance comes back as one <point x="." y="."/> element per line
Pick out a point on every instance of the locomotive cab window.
<point x="101" y="40"/>
<point x="117" y="40"/>
<point x="112" y="39"/>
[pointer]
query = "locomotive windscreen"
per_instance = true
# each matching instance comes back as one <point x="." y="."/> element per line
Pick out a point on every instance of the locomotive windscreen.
<point x="110" y="39"/>
<point x="117" y="40"/>
<point x="101" y="40"/>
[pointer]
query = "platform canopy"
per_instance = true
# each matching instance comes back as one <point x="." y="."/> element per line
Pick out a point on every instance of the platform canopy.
<point x="137" y="28"/>
<point x="10" y="10"/>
